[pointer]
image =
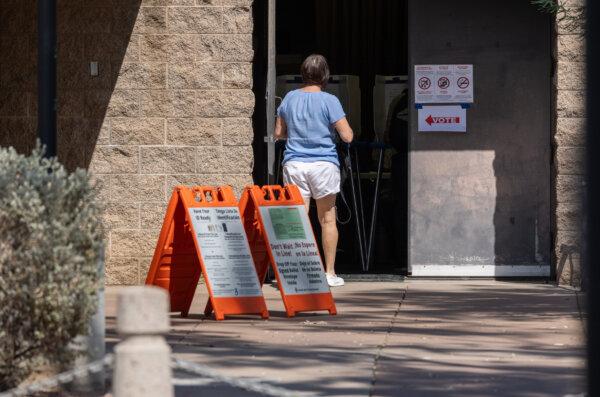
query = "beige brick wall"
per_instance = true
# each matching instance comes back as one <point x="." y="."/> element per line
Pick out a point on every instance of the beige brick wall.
<point x="569" y="141"/>
<point x="172" y="104"/>
<point x="180" y="114"/>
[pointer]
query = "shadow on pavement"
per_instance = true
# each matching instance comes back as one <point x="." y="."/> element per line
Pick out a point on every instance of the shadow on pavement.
<point x="457" y="338"/>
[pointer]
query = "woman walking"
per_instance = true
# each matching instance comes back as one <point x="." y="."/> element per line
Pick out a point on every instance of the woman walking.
<point x="308" y="117"/>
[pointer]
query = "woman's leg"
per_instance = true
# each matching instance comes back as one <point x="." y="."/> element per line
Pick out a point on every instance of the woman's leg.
<point x="329" y="232"/>
<point x="306" y="203"/>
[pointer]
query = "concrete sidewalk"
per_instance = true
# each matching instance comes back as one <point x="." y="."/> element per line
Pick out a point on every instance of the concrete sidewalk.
<point x="413" y="338"/>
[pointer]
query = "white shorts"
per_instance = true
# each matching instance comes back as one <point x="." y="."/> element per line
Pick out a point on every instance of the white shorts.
<point x="316" y="180"/>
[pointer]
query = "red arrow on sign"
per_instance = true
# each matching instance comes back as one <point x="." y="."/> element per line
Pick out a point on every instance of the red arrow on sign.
<point x="442" y="120"/>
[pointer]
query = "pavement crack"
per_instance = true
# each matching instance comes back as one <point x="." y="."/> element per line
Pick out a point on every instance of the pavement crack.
<point x="188" y="332"/>
<point x="383" y="345"/>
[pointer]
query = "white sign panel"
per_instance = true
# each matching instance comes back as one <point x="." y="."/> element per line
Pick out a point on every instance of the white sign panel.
<point x="444" y="84"/>
<point x="463" y="78"/>
<point x="225" y="251"/>
<point x="294" y="249"/>
<point x="442" y="119"/>
<point x="424" y="77"/>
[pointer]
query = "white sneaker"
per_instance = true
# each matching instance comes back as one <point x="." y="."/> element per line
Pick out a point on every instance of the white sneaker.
<point x="334" y="281"/>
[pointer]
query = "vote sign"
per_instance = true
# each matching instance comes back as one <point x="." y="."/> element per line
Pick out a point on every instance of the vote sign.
<point x="281" y="236"/>
<point x="295" y="252"/>
<point x="202" y="234"/>
<point x="225" y="252"/>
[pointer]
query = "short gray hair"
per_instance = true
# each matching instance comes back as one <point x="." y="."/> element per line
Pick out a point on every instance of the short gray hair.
<point x="315" y="70"/>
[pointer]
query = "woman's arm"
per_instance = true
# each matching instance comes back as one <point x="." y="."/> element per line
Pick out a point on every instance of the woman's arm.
<point x="280" y="129"/>
<point x="344" y="129"/>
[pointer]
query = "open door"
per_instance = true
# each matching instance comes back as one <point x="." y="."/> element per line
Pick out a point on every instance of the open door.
<point x="270" y="97"/>
<point x="264" y="76"/>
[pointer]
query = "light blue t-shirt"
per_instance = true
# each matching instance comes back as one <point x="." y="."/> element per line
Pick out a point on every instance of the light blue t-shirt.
<point x="309" y="117"/>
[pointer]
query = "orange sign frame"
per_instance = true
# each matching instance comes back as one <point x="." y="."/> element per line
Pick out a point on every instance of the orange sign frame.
<point x="177" y="263"/>
<point x="252" y="199"/>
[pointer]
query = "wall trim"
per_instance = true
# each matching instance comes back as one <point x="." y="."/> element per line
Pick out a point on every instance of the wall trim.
<point x="481" y="270"/>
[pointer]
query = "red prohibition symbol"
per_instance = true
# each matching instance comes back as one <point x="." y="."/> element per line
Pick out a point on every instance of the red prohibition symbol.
<point x="424" y="83"/>
<point x="463" y="82"/>
<point x="443" y="83"/>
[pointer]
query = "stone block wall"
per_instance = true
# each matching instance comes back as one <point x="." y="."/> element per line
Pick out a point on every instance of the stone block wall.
<point x="172" y="104"/>
<point x="18" y="74"/>
<point x="180" y="113"/>
<point x="569" y="144"/>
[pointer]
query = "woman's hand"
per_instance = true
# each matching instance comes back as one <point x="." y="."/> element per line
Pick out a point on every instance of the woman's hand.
<point x="343" y="128"/>
<point x="280" y="129"/>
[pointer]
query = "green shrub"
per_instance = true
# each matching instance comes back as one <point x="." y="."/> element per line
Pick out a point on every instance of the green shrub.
<point x="50" y="243"/>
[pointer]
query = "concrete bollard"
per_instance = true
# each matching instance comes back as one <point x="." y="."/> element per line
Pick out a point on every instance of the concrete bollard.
<point x="143" y="360"/>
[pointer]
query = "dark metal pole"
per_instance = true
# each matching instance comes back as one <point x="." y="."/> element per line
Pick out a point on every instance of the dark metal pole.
<point x="271" y="82"/>
<point x="359" y="233"/>
<point x="592" y="199"/>
<point x="47" y="75"/>
<point x="374" y="212"/>
<point x="361" y="215"/>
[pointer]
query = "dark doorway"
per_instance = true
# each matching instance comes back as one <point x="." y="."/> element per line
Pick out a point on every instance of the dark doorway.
<point x="362" y="39"/>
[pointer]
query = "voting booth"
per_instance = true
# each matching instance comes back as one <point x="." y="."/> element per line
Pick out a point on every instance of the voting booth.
<point x="387" y="90"/>
<point x="281" y="236"/>
<point x="345" y="87"/>
<point x="202" y="234"/>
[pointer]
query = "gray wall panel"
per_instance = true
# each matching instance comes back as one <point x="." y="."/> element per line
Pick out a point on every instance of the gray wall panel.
<point x="483" y="197"/>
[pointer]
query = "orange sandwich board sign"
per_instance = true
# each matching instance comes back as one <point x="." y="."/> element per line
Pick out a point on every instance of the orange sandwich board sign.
<point x="280" y="234"/>
<point x="203" y="234"/>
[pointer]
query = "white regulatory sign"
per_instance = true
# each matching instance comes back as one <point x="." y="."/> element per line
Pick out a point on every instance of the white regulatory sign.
<point x="446" y="118"/>
<point x="225" y="251"/>
<point x="294" y="249"/>
<point x="444" y="84"/>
